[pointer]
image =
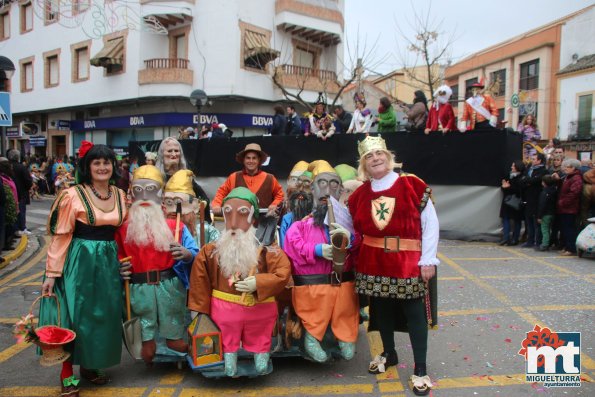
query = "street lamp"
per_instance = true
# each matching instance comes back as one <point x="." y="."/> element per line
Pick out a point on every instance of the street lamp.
<point x="6" y="72"/>
<point x="198" y="98"/>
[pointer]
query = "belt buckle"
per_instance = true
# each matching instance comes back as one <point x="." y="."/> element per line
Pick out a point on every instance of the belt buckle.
<point x="153" y="280"/>
<point x="388" y="238"/>
<point x="335" y="279"/>
<point x="249" y="301"/>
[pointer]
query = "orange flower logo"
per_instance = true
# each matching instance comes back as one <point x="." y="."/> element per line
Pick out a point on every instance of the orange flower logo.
<point x="540" y="337"/>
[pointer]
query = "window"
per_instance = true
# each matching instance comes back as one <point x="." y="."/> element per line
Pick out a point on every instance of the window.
<point x="304" y="58"/>
<point x="79" y="6"/>
<point x="4" y="25"/>
<point x="180" y="42"/>
<point x="82" y="63"/>
<point x="52" y="71"/>
<point x="51" y="11"/>
<point x="529" y="79"/>
<point x="27" y="75"/>
<point x="256" y="51"/>
<point x="454" y="98"/>
<point x="585" y="107"/>
<point x="499" y="77"/>
<point x="26" y="17"/>
<point x="468" y="84"/>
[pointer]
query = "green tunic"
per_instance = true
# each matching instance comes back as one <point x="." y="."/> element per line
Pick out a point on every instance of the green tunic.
<point x="89" y="291"/>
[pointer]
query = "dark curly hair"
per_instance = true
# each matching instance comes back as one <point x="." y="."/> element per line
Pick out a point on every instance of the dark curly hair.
<point x="97" y="152"/>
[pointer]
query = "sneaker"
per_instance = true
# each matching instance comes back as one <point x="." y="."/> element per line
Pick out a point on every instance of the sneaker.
<point x="27" y="232"/>
<point x="567" y="253"/>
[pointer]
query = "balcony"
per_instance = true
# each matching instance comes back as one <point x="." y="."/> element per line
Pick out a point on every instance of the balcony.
<point x="166" y="71"/>
<point x="580" y="130"/>
<point x="309" y="79"/>
<point x="161" y="15"/>
<point x="320" y="22"/>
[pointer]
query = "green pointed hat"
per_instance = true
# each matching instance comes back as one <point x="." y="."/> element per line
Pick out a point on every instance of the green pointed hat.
<point x="346" y="172"/>
<point x="243" y="193"/>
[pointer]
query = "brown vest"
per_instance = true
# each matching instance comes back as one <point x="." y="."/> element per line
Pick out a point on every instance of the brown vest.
<point x="264" y="194"/>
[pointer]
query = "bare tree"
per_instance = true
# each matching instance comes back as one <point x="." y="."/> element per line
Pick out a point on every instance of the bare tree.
<point x="430" y="49"/>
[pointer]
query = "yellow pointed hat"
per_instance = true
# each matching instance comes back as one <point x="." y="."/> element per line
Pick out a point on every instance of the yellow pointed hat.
<point x="370" y="144"/>
<point x="299" y="168"/>
<point x="148" y="172"/>
<point x="319" y="166"/>
<point x="180" y="182"/>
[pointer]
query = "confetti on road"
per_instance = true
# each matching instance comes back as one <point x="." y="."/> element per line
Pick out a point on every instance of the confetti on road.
<point x="489" y="365"/>
<point x="508" y="340"/>
<point x="482" y="318"/>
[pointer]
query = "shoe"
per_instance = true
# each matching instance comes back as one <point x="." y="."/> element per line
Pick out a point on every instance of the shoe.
<point x="382" y="361"/>
<point x="512" y="243"/>
<point x="503" y="242"/>
<point x="177" y="345"/>
<point x="69" y="387"/>
<point x="347" y="349"/>
<point x="314" y="349"/>
<point x="542" y="248"/>
<point x="567" y="253"/>
<point x="95" y="376"/>
<point x="527" y="245"/>
<point x="261" y="362"/>
<point x="231" y="363"/>
<point x="363" y="316"/>
<point x="148" y="350"/>
<point x="421" y="385"/>
<point x="27" y="232"/>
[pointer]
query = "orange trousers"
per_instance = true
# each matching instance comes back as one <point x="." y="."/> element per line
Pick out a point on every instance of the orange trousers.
<point x="319" y="305"/>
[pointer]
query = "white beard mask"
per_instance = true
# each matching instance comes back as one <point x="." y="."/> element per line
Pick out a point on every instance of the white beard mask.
<point x="237" y="254"/>
<point x="147" y="226"/>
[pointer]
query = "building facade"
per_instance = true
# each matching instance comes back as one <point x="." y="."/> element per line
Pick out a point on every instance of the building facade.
<point x="115" y="71"/>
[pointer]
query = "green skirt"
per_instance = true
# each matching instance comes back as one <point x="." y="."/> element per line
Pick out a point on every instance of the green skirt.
<point x="90" y="296"/>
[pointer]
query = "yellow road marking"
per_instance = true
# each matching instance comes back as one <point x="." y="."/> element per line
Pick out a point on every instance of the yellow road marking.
<point x="16" y="253"/>
<point x="26" y="267"/>
<point x="174" y="378"/>
<point x="12" y="320"/>
<point x="483" y="381"/>
<point x="561" y="307"/>
<point x="486" y="259"/>
<point x="162" y="392"/>
<point x="517" y="276"/>
<point x="394" y="395"/>
<point x="586" y="361"/>
<point x="11" y="351"/>
<point x="467" y="312"/>
<point x="388" y="387"/>
<point x="31" y="284"/>
<point x="450" y="278"/>
<point x="279" y="391"/>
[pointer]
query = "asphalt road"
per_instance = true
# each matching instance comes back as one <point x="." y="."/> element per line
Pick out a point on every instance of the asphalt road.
<point x="490" y="297"/>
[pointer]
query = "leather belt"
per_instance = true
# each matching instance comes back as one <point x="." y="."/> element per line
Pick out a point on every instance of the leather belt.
<point x="316" y="279"/>
<point x="152" y="277"/>
<point x="392" y="243"/>
<point x="249" y="299"/>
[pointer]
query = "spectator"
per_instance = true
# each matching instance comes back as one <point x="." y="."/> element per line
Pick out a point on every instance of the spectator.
<point x="556" y="166"/>
<point x="227" y="133"/>
<point x="418" y="112"/>
<point x="511" y="186"/>
<point x="362" y="117"/>
<point x="386" y="119"/>
<point x="568" y="204"/>
<point x="531" y="135"/>
<point x="342" y="119"/>
<point x="123" y="181"/>
<point x="205" y="131"/>
<point x="294" y="124"/>
<point x="279" y="121"/>
<point x="187" y="133"/>
<point x="559" y="150"/>
<point x="587" y="197"/>
<point x="150" y="158"/>
<point x="546" y="210"/>
<point x="531" y="187"/>
<point x="317" y="118"/>
<point x="10" y="208"/>
<point x="22" y="178"/>
<point x="548" y="150"/>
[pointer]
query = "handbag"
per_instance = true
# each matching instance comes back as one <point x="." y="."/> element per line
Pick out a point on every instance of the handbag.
<point x="513" y="202"/>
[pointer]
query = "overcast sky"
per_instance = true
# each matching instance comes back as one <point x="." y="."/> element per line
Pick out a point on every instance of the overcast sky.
<point x="475" y="24"/>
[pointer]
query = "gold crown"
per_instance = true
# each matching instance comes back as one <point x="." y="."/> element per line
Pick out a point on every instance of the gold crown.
<point x="181" y="182"/>
<point x="370" y="144"/>
<point x="148" y="172"/>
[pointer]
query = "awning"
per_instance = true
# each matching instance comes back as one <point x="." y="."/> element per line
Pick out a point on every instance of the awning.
<point x="112" y="53"/>
<point x="257" y="52"/>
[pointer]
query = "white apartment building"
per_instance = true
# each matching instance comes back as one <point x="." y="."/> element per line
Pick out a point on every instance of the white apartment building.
<point x="114" y="71"/>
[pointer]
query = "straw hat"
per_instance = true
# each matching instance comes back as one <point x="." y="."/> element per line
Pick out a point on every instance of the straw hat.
<point x="251" y="147"/>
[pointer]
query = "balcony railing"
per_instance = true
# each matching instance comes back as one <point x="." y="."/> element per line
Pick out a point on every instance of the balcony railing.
<point x="165" y="71"/>
<point x="166" y="63"/>
<point x="581" y="129"/>
<point x="322" y="75"/>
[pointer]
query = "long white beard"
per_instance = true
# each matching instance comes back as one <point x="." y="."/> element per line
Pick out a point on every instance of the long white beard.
<point x="237" y="254"/>
<point x="147" y="227"/>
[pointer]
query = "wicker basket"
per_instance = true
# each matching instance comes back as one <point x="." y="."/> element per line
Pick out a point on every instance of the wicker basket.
<point x="51" y="339"/>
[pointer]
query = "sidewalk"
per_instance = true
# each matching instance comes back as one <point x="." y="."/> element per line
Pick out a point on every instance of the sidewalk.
<point x="11" y="256"/>
<point x="27" y="247"/>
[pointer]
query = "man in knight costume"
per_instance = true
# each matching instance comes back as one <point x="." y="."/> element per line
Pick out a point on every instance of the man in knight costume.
<point x="322" y="296"/>
<point x="480" y="110"/>
<point x="157" y="294"/>
<point x="235" y="281"/>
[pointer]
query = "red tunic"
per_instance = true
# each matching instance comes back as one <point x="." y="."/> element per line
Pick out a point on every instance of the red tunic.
<point x="145" y="258"/>
<point x="444" y="115"/>
<point x="389" y="274"/>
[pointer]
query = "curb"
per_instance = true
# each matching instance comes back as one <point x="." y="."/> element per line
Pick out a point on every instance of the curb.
<point x="16" y="253"/>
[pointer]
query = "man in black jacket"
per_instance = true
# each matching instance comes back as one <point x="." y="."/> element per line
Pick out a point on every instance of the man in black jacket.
<point x="23" y="181"/>
<point x="530" y="188"/>
<point x="294" y="124"/>
<point x="342" y="121"/>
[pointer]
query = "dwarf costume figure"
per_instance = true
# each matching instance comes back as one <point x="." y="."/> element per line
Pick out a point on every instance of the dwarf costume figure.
<point x="441" y="117"/>
<point x="235" y="281"/>
<point x="157" y="295"/>
<point x="320" y="123"/>
<point x="179" y="189"/>
<point x="480" y="110"/>
<point x="320" y="297"/>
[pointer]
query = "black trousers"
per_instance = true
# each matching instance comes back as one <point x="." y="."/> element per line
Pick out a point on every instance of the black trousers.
<point x="414" y="311"/>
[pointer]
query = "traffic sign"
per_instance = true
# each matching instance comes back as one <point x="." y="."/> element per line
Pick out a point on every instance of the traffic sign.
<point x="5" y="114"/>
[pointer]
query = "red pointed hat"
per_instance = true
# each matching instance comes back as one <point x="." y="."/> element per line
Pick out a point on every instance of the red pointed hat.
<point x="479" y="84"/>
<point x="85" y="146"/>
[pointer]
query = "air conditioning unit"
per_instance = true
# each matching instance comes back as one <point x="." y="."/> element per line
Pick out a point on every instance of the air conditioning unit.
<point x="28" y="128"/>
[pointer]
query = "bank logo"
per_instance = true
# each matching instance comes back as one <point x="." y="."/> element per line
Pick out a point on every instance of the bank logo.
<point x="552" y="358"/>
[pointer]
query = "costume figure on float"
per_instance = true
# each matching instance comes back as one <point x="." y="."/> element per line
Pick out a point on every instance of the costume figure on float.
<point x="82" y="268"/>
<point x="397" y="234"/>
<point x="441" y="117"/>
<point x="235" y="281"/>
<point x="480" y="110"/>
<point x="323" y="294"/>
<point x="362" y="116"/>
<point x="179" y="190"/>
<point x="298" y="197"/>
<point x="157" y="294"/>
<point x="320" y="123"/>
